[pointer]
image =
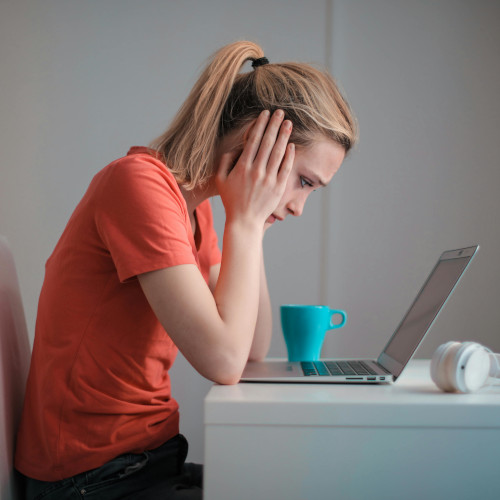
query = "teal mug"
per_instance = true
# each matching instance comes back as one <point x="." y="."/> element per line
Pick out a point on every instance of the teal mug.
<point x="304" y="328"/>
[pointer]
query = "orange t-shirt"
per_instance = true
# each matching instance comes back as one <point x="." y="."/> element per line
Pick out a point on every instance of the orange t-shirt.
<point x="99" y="384"/>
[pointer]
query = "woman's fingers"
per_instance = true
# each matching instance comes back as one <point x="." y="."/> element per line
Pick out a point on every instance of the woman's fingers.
<point x="279" y="150"/>
<point x="270" y="141"/>
<point x="254" y="138"/>
<point x="286" y="164"/>
<point x="265" y="135"/>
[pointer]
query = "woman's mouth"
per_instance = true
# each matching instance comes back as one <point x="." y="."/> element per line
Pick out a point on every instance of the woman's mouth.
<point x="273" y="218"/>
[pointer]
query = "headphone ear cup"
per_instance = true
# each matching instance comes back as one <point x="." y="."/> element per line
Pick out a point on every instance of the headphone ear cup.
<point x="472" y="367"/>
<point x="462" y="367"/>
<point x="439" y="363"/>
<point x="457" y="363"/>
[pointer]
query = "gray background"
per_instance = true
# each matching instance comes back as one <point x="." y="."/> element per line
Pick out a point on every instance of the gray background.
<point x="84" y="80"/>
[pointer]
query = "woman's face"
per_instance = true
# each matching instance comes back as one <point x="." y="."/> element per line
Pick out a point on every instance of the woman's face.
<point x="313" y="167"/>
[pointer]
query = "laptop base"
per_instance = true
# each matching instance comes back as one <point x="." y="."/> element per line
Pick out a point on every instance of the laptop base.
<point x="313" y="372"/>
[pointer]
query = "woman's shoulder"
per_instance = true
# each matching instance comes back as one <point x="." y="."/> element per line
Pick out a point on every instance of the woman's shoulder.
<point x="144" y="150"/>
<point x="139" y="156"/>
<point x="140" y="161"/>
<point x="139" y="172"/>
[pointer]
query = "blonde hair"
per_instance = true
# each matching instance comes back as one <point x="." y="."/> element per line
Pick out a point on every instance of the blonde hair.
<point x="223" y="100"/>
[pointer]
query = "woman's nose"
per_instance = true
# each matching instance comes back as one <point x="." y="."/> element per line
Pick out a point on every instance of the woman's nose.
<point x="295" y="206"/>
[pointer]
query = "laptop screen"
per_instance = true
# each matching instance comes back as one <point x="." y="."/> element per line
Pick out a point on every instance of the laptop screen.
<point x="426" y="307"/>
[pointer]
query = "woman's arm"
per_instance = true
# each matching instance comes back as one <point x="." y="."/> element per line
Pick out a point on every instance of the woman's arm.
<point x="215" y="331"/>
<point x="264" y="325"/>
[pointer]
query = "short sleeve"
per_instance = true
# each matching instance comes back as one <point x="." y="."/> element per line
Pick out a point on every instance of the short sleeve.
<point x="142" y="217"/>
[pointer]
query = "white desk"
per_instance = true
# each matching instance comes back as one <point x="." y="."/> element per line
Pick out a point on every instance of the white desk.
<point x="306" y="442"/>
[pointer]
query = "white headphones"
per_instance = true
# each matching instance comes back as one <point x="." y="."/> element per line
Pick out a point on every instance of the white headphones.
<point x="463" y="367"/>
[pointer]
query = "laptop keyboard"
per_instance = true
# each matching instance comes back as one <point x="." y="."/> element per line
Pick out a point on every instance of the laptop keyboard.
<point x="328" y="368"/>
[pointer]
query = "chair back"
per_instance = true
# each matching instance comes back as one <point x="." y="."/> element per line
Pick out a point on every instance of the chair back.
<point x="14" y="365"/>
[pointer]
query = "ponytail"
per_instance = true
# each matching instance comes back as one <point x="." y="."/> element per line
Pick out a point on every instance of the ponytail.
<point x="188" y="146"/>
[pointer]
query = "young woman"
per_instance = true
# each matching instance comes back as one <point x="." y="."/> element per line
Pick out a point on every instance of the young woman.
<point x="137" y="275"/>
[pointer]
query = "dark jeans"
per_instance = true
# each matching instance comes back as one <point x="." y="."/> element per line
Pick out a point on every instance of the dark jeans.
<point x="157" y="474"/>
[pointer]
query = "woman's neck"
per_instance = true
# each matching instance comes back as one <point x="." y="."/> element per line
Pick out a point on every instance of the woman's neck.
<point x="196" y="196"/>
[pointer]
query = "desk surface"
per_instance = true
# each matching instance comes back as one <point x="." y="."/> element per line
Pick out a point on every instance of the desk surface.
<point x="413" y="400"/>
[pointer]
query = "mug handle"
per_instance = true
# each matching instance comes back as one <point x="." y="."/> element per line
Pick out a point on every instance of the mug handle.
<point x="344" y="318"/>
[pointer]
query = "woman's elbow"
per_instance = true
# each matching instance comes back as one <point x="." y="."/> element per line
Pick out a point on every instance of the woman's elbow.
<point x="227" y="380"/>
<point x="224" y="371"/>
<point x="226" y="377"/>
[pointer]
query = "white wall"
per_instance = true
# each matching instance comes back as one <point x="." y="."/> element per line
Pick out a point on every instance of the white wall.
<point x="423" y="78"/>
<point x="84" y="80"/>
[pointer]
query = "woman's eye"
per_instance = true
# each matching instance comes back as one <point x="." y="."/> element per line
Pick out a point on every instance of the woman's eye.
<point x="304" y="182"/>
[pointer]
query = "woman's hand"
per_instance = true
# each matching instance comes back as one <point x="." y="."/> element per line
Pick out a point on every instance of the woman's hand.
<point x="252" y="190"/>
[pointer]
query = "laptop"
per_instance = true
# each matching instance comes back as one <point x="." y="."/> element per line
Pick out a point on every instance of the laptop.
<point x="399" y="350"/>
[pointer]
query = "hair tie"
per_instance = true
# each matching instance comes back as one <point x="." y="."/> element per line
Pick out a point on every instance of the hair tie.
<point x="261" y="61"/>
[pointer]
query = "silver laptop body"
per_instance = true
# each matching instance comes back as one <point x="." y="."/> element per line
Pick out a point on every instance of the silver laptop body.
<point x="399" y="350"/>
